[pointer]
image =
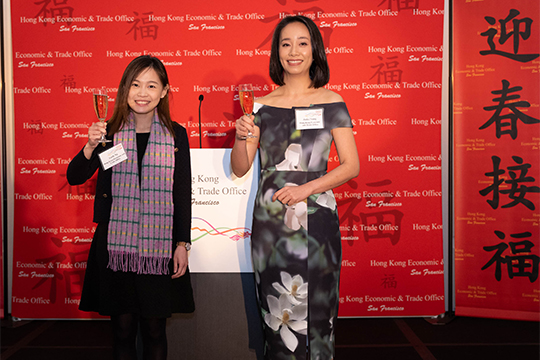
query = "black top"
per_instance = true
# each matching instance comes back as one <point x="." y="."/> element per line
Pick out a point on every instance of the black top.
<point x="142" y="141"/>
<point x="115" y="292"/>
<point x="81" y="169"/>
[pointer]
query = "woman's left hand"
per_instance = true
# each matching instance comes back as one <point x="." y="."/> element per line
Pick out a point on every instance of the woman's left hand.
<point x="180" y="260"/>
<point x="290" y="195"/>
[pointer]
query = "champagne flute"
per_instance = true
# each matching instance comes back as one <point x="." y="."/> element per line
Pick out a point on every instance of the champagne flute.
<point x="245" y="93"/>
<point x="101" y="105"/>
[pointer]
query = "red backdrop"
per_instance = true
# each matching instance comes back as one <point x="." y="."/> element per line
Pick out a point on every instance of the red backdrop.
<point x="385" y="59"/>
<point x="497" y="163"/>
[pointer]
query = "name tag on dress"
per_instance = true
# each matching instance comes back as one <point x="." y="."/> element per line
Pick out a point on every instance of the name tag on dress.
<point x="113" y="156"/>
<point x="309" y="119"/>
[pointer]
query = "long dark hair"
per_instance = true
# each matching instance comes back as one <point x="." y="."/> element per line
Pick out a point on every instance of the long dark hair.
<point x="319" y="72"/>
<point x="121" y="107"/>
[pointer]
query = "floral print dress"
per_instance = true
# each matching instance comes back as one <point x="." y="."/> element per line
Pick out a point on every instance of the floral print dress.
<point x="296" y="250"/>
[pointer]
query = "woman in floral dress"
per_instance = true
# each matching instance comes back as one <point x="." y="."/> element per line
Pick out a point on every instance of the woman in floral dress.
<point x="296" y="243"/>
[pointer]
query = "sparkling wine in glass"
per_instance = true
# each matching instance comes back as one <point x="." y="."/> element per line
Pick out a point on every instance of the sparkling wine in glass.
<point x="101" y="104"/>
<point x="245" y="93"/>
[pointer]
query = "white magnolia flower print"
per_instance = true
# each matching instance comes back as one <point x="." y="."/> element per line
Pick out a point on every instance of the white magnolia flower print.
<point x="293" y="287"/>
<point x="284" y="316"/>
<point x="327" y="199"/>
<point x="293" y="155"/>
<point x="296" y="246"/>
<point x="296" y="216"/>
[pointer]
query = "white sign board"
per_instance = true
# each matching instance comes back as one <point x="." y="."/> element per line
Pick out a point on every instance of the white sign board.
<point x="222" y="211"/>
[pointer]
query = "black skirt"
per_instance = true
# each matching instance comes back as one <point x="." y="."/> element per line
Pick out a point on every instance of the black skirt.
<point x="115" y="292"/>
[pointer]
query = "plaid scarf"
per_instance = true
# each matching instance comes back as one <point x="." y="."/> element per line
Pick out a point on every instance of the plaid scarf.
<point x="140" y="228"/>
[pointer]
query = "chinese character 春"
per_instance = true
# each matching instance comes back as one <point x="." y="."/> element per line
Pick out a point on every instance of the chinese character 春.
<point x="506" y="101"/>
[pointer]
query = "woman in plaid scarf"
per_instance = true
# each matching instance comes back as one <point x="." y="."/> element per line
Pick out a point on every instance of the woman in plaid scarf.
<point x="137" y="271"/>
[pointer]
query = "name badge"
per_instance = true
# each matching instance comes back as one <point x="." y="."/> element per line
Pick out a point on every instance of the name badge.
<point x="309" y="119"/>
<point x="113" y="156"/>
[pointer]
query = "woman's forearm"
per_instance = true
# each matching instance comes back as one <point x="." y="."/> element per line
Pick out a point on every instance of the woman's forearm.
<point x="242" y="155"/>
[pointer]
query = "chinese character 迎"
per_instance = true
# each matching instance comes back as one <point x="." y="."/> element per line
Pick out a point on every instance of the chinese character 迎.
<point x="516" y="34"/>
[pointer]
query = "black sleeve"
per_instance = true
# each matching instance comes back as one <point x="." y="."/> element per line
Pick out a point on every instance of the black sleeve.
<point x="182" y="187"/>
<point x="81" y="169"/>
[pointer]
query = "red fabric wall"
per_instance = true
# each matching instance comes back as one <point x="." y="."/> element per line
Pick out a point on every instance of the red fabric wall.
<point x="386" y="62"/>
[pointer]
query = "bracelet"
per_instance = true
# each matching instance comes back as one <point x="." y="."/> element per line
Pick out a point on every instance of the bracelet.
<point x="184" y="244"/>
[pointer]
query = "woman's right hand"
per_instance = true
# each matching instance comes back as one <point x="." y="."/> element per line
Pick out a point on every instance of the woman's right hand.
<point x="245" y="147"/>
<point x="94" y="133"/>
<point x="244" y="126"/>
<point x="94" y="136"/>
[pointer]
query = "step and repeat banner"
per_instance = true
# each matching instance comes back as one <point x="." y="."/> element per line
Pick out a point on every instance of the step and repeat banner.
<point x="497" y="158"/>
<point x="386" y="62"/>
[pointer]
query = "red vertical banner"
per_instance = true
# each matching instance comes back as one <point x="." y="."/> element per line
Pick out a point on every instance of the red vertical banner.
<point x="497" y="162"/>
<point x="383" y="62"/>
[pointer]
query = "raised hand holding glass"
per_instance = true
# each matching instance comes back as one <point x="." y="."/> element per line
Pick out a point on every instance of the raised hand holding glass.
<point x="245" y="93"/>
<point x="101" y="105"/>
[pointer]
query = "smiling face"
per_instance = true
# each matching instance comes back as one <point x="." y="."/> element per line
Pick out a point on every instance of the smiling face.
<point x="295" y="51"/>
<point x="145" y="92"/>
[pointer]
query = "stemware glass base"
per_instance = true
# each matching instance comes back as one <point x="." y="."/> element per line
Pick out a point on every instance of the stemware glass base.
<point x="249" y="136"/>
<point x="104" y="140"/>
